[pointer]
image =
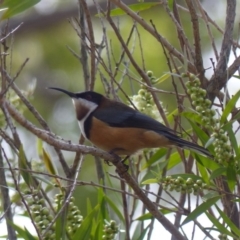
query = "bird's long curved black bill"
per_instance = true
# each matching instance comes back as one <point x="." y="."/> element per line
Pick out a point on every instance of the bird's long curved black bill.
<point x="70" y="94"/>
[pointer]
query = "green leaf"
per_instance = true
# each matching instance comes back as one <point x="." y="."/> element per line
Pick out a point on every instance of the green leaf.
<point x="29" y="235"/>
<point x="174" y="160"/>
<point x="236" y="76"/>
<point x="229" y="107"/>
<point x="230" y="122"/>
<point x="199" y="132"/>
<point x="163" y="78"/>
<point x="193" y="116"/>
<point x="137" y="7"/>
<point x="155" y="157"/>
<point x="147" y="216"/>
<point x="161" y="166"/>
<point x="150" y="181"/>
<point x="102" y="204"/>
<point x="98" y="232"/>
<point x="39" y="147"/>
<point x="218" y="172"/>
<point x="89" y="206"/>
<point x="170" y="4"/>
<point x="206" y="162"/>
<point x="236" y="200"/>
<point x="16" y="6"/>
<point x="228" y="221"/>
<point x="24" y="166"/>
<point x="232" y="138"/>
<point x="143" y="233"/>
<point x="84" y="231"/>
<point x="221" y="228"/>
<point x="231" y="177"/>
<point x="171" y="115"/>
<point x="200" y="209"/>
<point x="235" y="117"/>
<point x="138" y="233"/>
<point x="23" y="233"/>
<point x="48" y="163"/>
<point x="115" y="208"/>
<point x="60" y="229"/>
<point x="201" y="135"/>
<point x="210" y="195"/>
<point x="202" y="170"/>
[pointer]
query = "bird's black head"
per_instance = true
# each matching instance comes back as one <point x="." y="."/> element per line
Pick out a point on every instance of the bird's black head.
<point x="90" y="96"/>
<point x="84" y="102"/>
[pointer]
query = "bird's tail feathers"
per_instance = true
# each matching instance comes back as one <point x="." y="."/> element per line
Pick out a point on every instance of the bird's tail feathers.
<point x="192" y="146"/>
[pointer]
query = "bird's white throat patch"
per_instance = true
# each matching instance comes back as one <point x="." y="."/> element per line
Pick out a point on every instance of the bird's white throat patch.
<point x="83" y="109"/>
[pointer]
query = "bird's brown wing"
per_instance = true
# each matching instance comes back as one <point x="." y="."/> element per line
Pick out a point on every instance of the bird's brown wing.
<point x="123" y="116"/>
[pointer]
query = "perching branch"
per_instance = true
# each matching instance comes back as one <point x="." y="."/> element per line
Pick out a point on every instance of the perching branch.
<point x="53" y="140"/>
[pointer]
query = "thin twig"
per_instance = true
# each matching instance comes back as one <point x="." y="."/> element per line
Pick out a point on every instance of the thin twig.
<point x="40" y="119"/>
<point x="221" y="76"/>
<point x="91" y="39"/>
<point x="6" y="202"/>
<point x="67" y="200"/>
<point x="48" y="137"/>
<point x="197" y="42"/>
<point x="14" y="78"/>
<point x="21" y="195"/>
<point x="204" y="16"/>
<point x="83" y="50"/>
<point x="125" y="210"/>
<point x="11" y="32"/>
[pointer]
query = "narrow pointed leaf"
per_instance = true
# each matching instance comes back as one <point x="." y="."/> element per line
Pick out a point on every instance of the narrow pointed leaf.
<point x="221" y="228"/>
<point x="23" y="166"/>
<point x="39" y="147"/>
<point x="229" y="107"/>
<point x="174" y="160"/>
<point x="143" y="233"/>
<point x="102" y="204"/>
<point x="231" y="177"/>
<point x="200" y="210"/>
<point x="16" y="6"/>
<point x="193" y="116"/>
<point x="150" y="181"/>
<point x="84" y="231"/>
<point x="218" y="172"/>
<point x="155" y="157"/>
<point x="48" y="163"/>
<point x="60" y="230"/>
<point x="23" y="233"/>
<point x="115" y="208"/>
<point x="228" y="221"/>
<point x="99" y="231"/>
<point x="232" y="138"/>
<point x="200" y="133"/>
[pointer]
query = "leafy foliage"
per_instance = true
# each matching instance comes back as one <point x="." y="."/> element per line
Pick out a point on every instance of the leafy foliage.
<point x="14" y="7"/>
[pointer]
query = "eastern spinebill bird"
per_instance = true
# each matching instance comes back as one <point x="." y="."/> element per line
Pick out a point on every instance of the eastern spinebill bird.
<point x="119" y="129"/>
